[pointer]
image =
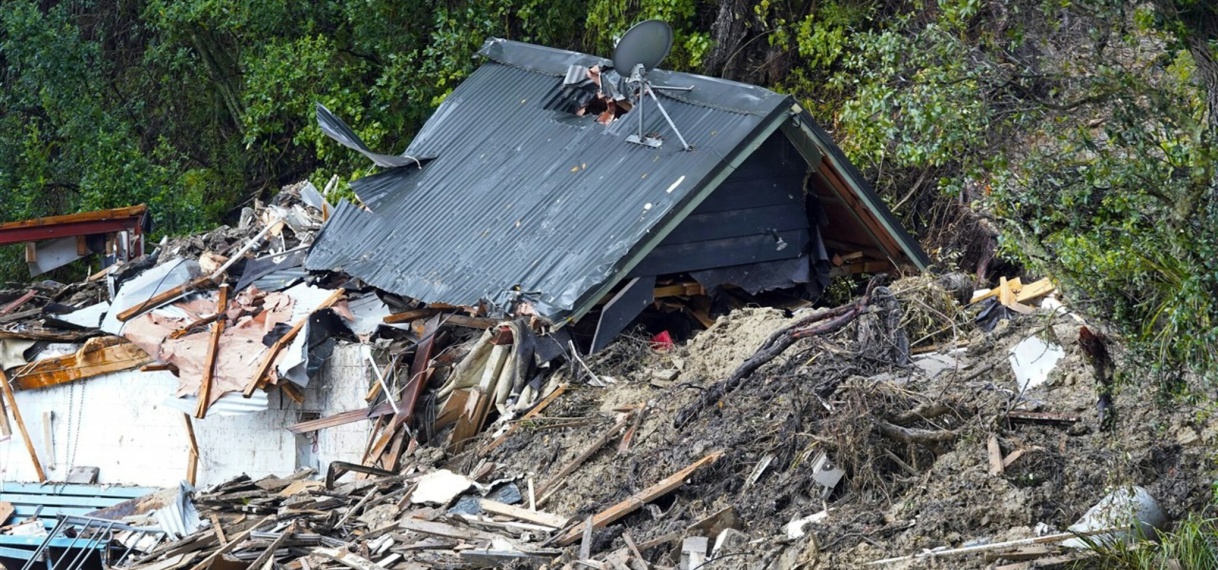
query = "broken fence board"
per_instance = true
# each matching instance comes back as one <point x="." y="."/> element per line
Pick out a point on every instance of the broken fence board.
<point x="665" y="486"/>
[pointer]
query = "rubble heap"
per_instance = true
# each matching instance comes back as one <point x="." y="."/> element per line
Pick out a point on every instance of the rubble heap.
<point x="910" y="418"/>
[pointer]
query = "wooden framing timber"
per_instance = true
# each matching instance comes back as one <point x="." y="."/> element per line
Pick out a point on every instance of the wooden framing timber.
<point x="25" y="434"/>
<point x="634" y="502"/>
<point x="159" y="299"/>
<point x="213" y="350"/>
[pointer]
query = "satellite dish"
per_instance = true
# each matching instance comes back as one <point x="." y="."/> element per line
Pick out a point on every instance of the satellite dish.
<point x="645" y="43"/>
<point x="643" y="47"/>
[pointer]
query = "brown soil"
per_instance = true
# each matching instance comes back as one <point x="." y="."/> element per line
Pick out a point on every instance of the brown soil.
<point x="830" y="394"/>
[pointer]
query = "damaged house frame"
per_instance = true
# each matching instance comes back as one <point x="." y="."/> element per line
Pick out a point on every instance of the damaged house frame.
<point x="520" y="196"/>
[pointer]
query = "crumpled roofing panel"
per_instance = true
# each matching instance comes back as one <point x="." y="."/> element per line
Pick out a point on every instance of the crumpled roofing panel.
<point x="520" y="198"/>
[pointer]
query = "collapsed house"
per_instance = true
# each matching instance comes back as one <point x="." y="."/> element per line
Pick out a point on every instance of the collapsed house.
<point x="516" y="199"/>
<point x="315" y="335"/>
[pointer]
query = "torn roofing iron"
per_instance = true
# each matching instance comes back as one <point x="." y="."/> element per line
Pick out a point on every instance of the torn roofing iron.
<point x="523" y="203"/>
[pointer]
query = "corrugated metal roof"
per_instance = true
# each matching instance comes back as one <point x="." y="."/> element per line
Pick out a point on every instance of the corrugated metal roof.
<point x="521" y="197"/>
<point x="522" y="202"/>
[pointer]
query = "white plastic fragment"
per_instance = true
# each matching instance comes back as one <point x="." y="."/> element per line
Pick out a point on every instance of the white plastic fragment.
<point x="795" y="528"/>
<point x="1032" y="360"/>
<point x="440" y="487"/>
<point x="1131" y="509"/>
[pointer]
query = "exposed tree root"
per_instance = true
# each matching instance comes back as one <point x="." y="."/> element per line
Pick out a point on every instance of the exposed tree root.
<point x="819" y="323"/>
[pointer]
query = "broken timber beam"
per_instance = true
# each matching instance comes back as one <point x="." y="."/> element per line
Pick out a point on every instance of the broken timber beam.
<point x="343" y="418"/>
<point x="17" y="303"/>
<point x="25" y="434"/>
<point x="165" y="297"/>
<point x="99" y="355"/>
<point x="213" y="350"/>
<point x="192" y="463"/>
<point x="408" y="316"/>
<point x="634" y="502"/>
<point x="552" y="484"/>
<point x="538" y="517"/>
<point x="268" y="358"/>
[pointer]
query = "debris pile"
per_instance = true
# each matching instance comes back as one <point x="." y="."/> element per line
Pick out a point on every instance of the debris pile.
<point x="836" y="451"/>
<point x="897" y="428"/>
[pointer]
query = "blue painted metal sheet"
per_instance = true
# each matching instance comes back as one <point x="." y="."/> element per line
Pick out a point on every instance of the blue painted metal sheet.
<point x="49" y="501"/>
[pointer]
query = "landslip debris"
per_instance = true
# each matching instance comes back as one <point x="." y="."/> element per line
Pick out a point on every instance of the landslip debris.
<point x="834" y="436"/>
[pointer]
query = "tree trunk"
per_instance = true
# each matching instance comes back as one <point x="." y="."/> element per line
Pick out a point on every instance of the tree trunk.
<point x="1197" y="24"/>
<point x="727" y="36"/>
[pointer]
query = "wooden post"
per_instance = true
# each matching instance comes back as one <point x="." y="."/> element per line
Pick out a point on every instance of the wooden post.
<point x="192" y="464"/>
<point x="25" y="434"/>
<point x="6" y="430"/>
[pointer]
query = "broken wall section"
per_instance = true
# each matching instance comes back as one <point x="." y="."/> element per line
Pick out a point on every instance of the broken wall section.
<point x="121" y="424"/>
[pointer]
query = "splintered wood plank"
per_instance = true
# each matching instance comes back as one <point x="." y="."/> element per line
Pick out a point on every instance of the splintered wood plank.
<point x="25" y="434"/>
<point x="165" y="297"/>
<point x="1015" y="285"/>
<point x="634" y="502"/>
<point x="18" y="302"/>
<point x="470" y="322"/>
<point x="232" y="543"/>
<point x="539" y="517"/>
<point x="213" y="350"/>
<point x="552" y="485"/>
<point x="268" y="555"/>
<point x="99" y="355"/>
<point x="343" y="418"/>
<point x="408" y="316"/>
<point x="452" y="409"/>
<point x="1035" y="290"/>
<point x="420" y="372"/>
<point x="995" y="454"/>
<point x="192" y="464"/>
<point x="353" y="561"/>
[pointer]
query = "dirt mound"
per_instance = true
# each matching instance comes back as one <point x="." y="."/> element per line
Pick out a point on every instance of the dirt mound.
<point x="912" y="436"/>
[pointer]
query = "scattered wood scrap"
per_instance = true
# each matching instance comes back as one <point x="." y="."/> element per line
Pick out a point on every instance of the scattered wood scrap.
<point x="1013" y="294"/>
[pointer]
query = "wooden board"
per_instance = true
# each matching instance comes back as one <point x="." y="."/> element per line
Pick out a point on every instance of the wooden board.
<point x="634" y="502"/>
<point x="539" y="517"/>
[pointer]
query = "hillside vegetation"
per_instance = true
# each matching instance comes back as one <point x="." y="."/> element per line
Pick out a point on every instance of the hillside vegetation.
<point x="1075" y="138"/>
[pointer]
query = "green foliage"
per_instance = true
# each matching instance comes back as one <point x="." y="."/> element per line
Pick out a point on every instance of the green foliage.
<point x="1083" y="127"/>
<point x="1193" y="545"/>
<point x="1122" y="210"/>
<point x="608" y="19"/>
